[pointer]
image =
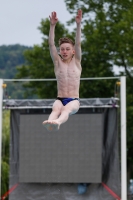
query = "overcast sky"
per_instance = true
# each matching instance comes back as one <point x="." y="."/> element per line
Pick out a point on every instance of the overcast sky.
<point x="19" y="19"/>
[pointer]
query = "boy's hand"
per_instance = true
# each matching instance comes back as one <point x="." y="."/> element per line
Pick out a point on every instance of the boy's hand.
<point x="53" y="18"/>
<point x="79" y="17"/>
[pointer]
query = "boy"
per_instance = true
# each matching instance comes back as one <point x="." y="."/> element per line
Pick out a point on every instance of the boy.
<point x="67" y="70"/>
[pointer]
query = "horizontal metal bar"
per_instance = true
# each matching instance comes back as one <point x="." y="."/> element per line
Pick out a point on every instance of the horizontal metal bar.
<point x="27" y="80"/>
<point x="99" y="78"/>
<point x="53" y="79"/>
<point x="25" y="107"/>
<point x="42" y="107"/>
<point x="82" y="99"/>
<point x="105" y="106"/>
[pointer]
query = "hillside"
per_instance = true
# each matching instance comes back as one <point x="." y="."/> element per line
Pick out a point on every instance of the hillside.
<point x="12" y="56"/>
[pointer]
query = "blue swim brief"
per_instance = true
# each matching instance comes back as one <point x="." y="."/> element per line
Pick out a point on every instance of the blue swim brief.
<point x="66" y="100"/>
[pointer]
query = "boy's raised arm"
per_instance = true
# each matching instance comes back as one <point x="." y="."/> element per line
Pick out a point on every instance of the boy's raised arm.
<point x="53" y="50"/>
<point x="78" y="36"/>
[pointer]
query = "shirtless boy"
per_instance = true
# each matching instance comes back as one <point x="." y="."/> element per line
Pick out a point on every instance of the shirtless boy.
<point x="67" y="70"/>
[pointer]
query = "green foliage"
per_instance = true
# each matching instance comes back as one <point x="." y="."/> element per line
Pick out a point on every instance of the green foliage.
<point x="10" y="57"/>
<point x="5" y="151"/>
<point x="96" y="62"/>
<point x="108" y="26"/>
<point x="4" y="178"/>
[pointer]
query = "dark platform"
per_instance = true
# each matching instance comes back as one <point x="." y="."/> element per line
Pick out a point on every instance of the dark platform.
<point x="71" y="155"/>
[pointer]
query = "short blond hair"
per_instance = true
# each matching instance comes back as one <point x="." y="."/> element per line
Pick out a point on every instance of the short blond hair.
<point x="66" y="40"/>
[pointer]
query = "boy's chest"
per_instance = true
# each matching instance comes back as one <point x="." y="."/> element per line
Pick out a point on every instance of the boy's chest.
<point x="67" y="71"/>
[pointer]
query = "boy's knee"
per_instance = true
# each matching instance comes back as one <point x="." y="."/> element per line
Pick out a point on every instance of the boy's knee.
<point x="57" y="110"/>
<point x="66" y="109"/>
<point x="70" y="111"/>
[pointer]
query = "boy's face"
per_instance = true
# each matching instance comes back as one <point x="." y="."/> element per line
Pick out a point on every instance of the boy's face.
<point x="66" y="51"/>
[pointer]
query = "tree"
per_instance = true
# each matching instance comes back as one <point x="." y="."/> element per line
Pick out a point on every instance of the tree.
<point x="108" y="25"/>
<point x="10" y="57"/>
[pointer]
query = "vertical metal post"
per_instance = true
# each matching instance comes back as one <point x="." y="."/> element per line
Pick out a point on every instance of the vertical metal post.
<point x="123" y="139"/>
<point x="1" y="103"/>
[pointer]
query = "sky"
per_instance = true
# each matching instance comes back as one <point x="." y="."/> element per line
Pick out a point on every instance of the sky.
<point x="20" y="19"/>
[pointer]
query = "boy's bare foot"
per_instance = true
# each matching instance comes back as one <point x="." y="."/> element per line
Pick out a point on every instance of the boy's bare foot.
<point x="51" y="125"/>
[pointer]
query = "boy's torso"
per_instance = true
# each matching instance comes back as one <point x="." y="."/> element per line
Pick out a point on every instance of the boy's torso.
<point x="68" y="78"/>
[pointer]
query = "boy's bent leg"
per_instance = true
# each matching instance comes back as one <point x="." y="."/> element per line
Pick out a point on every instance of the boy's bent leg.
<point x="56" y="111"/>
<point x="71" y="108"/>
